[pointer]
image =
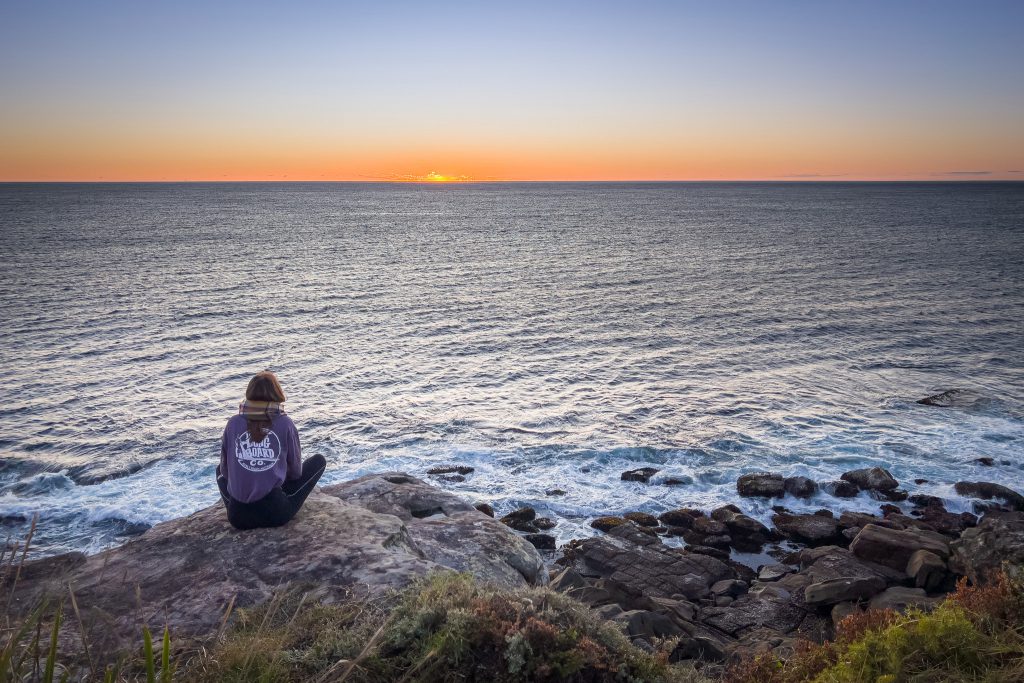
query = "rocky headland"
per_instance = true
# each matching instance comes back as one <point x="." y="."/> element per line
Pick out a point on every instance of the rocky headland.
<point x="676" y="577"/>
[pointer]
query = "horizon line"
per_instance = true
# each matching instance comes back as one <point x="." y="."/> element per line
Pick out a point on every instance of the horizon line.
<point x="782" y="180"/>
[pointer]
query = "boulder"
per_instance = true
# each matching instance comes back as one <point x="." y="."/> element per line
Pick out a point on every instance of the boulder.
<point x="643" y="475"/>
<point x="365" y="536"/>
<point x="899" y="598"/>
<point x="800" y="487"/>
<point x="521" y="520"/>
<point x="927" y="570"/>
<point x="699" y="647"/>
<point x="834" y="591"/>
<point x="554" y="492"/>
<point x="840" y="489"/>
<point x="986" y="490"/>
<point x="740" y="525"/>
<point x="871" y="479"/>
<point x="607" y="523"/>
<point x="680" y="518"/>
<point x="773" y="572"/>
<point x="450" y="469"/>
<point x="641" y="518"/>
<point x="893" y="547"/>
<point x="997" y="542"/>
<point x="709" y="527"/>
<point x="544" y="523"/>
<point x="541" y="541"/>
<point x="761" y="485"/>
<point x="810" y="529"/>
<point x="634" y="565"/>
<point x="485" y="508"/>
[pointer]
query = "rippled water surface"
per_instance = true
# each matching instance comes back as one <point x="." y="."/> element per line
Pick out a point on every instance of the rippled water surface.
<point x="549" y="335"/>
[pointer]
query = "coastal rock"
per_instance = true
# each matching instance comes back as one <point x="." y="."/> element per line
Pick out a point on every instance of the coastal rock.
<point x="871" y="479"/>
<point x="893" y="547"/>
<point x="840" y="489"/>
<point x="987" y="490"/>
<point x="928" y="570"/>
<point x="636" y="566"/>
<point x="367" y="535"/>
<point x="682" y="517"/>
<point x="748" y="534"/>
<point x="834" y="591"/>
<point x="900" y="598"/>
<point x="810" y="529"/>
<point x="952" y="398"/>
<point x="761" y="485"/>
<point x="800" y="487"/>
<point x="606" y="524"/>
<point x="643" y="475"/>
<point x="450" y="469"/>
<point x="997" y="542"/>
<point x="541" y="541"/>
<point x="641" y="518"/>
<point x="485" y="508"/>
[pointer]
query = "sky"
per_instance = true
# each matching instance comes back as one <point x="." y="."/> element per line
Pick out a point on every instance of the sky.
<point x="521" y="90"/>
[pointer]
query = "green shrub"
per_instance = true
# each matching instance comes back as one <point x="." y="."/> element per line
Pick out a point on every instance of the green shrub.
<point x="445" y="628"/>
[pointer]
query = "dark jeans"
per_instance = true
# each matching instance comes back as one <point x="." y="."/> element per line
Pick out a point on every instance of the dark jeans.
<point x="277" y="507"/>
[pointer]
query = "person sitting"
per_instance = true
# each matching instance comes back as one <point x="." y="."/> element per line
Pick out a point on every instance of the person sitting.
<point x="262" y="479"/>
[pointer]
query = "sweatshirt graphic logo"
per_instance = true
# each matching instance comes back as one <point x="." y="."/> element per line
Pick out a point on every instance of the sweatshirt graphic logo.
<point x="257" y="457"/>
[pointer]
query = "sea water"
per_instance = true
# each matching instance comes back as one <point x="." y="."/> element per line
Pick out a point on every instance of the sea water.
<point x="551" y="336"/>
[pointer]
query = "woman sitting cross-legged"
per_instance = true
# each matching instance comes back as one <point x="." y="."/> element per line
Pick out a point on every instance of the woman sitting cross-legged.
<point x="261" y="476"/>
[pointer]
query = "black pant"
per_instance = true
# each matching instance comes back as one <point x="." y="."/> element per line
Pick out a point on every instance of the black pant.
<point x="277" y="507"/>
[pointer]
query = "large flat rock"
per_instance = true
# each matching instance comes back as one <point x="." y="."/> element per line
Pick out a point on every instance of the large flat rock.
<point x="362" y="537"/>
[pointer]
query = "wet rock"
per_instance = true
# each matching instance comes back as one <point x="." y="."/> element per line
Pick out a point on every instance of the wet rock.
<point x="948" y="523"/>
<point x="541" y="541"/>
<point x="845" y="589"/>
<point x="485" y="508"/>
<point x="900" y="598"/>
<point x="871" y="479"/>
<point x="748" y="534"/>
<point x="715" y="541"/>
<point x="676" y="530"/>
<point x="985" y="461"/>
<point x="951" y="398"/>
<point x="606" y="524"/>
<point x="997" y="542"/>
<point x="800" y="487"/>
<point x="642" y="475"/>
<point x="641" y="518"/>
<point x="890" y="509"/>
<point x="920" y="500"/>
<point x="824" y="513"/>
<point x="761" y="485"/>
<point x="544" y="523"/>
<point x="365" y="536"/>
<point x="450" y="469"/>
<point x="893" y="547"/>
<point x="840" y="489"/>
<point x="521" y="520"/>
<point x="554" y="492"/>
<point x="810" y="529"/>
<point x="676" y="481"/>
<point x="928" y="570"/>
<point x="709" y="527"/>
<point x="452" y="478"/>
<point x="920" y="481"/>
<point x="682" y="517"/>
<point x="986" y="490"/>
<point x="895" y="495"/>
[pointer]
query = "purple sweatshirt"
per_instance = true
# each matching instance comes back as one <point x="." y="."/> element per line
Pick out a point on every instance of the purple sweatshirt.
<point x="254" y="469"/>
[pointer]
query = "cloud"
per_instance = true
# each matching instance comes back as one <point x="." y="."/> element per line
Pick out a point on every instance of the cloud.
<point x="815" y="175"/>
<point x="965" y="173"/>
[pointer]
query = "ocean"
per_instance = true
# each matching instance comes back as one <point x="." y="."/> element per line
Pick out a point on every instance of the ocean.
<point x="549" y="335"/>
